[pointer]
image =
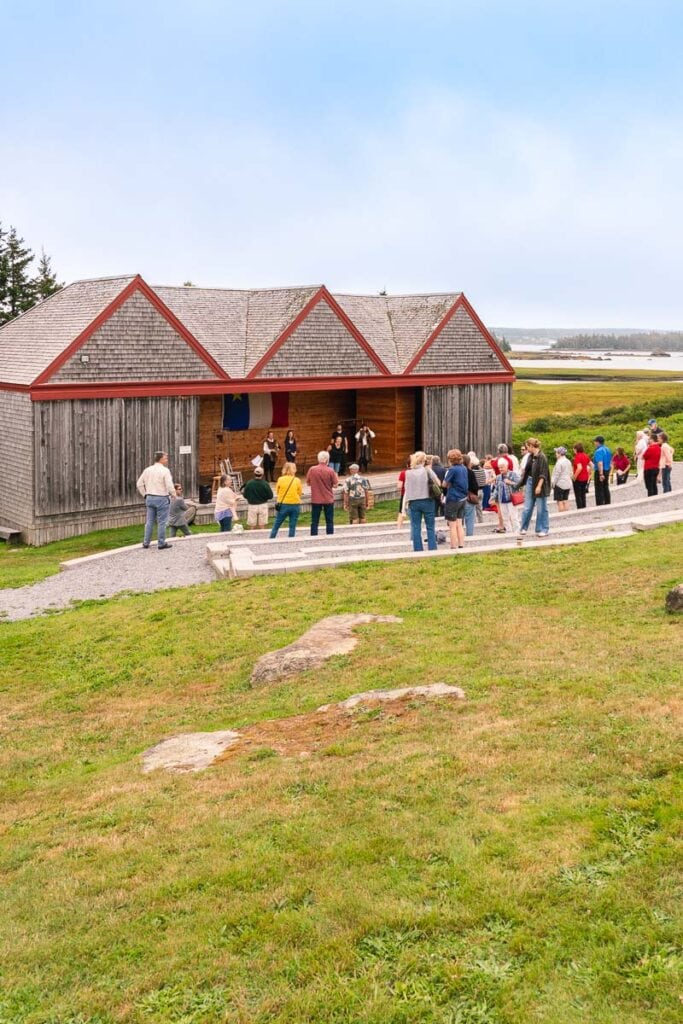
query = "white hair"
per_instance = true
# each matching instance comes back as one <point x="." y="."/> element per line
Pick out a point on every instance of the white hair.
<point x="323" y="456"/>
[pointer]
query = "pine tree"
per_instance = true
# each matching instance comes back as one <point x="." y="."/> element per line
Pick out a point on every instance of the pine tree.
<point x="4" y="275"/>
<point x="20" y="293"/>
<point x="45" y="282"/>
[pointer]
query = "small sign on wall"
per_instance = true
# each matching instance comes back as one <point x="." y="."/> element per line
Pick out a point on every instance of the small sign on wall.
<point x="185" y="449"/>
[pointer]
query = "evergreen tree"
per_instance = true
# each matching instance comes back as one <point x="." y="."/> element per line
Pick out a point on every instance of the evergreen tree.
<point x="45" y="282"/>
<point x="19" y="290"/>
<point x="4" y="275"/>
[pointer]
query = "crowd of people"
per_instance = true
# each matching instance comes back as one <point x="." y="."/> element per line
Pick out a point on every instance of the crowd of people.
<point x="518" y="489"/>
<point x="515" y="488"/>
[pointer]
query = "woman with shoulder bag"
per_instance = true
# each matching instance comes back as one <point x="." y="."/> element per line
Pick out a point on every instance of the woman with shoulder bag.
<point x="287" y="500"/>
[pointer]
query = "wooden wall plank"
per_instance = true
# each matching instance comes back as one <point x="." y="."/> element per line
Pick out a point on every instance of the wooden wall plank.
<point x="88" y="453"/>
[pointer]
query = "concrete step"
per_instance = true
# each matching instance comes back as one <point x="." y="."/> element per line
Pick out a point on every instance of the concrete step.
<point x="253" y="553"/>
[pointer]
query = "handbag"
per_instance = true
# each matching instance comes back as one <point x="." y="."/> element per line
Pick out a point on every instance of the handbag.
<point x="473" y="498"/>
<point x="517" y="498"/>
<point x="435" y="491"/>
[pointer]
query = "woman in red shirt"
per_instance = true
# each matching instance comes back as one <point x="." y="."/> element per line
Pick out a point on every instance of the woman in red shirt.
<point x="651" y="458"/>
<point x="581" y="468"/>
<point x="622" y="465"/>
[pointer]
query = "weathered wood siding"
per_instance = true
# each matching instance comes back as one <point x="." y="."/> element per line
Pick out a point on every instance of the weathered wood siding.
<point x="90" y="452"/>
<point x="390" y="412"/>
<point x="313" y="416"/>
<point x="16" y="459"/>
<point x="470" y="417"/>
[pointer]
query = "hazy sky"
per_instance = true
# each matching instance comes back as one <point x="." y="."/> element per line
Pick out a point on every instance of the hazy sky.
<point x="529" y="153"/>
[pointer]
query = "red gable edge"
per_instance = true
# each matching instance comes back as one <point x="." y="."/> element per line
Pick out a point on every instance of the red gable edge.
<point x="460" y="302"/>
<point x="136" y="285"/>
<point x="322" y="295"/>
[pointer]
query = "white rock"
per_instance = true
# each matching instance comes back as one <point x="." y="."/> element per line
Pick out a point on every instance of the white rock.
<point x="189" y="752"/>
<point x="432" y="690"/>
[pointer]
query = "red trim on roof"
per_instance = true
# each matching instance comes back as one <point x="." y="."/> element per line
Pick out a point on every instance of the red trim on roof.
<point x="136" y="285"/>
<point x="191" y="388"/>
<point x="14" y="387"/>
<point x="460" y="302"/>
<point x="322" y="295"/>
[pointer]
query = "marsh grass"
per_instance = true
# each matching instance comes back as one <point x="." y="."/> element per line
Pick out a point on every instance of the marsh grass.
<point x="512" y="858"/>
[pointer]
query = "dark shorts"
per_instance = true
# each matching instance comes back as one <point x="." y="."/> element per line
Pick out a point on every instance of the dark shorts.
<point x="559" y="494"/>
<point x="455" y="510"/>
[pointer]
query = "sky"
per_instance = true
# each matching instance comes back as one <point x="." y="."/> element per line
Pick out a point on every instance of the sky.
<point x="528" y="153"/>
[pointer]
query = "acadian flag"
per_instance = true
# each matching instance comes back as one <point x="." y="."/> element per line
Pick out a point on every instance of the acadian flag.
<point x="261" y="410"/>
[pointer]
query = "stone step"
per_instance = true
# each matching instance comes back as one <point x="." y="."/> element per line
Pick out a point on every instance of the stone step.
<point x="244" y="566"/>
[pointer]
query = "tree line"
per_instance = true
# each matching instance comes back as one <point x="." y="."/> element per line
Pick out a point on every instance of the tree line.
<point x="23" y="282"/>
<point x="639" y="341"/>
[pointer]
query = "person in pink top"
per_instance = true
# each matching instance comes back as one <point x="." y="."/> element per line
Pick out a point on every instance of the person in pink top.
<point x="666" y="462"/>
<point x="322" y="480"/>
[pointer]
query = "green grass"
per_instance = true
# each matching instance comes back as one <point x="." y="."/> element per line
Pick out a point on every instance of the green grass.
<point x="512" y="858"/>
<point x="565" y="414"/>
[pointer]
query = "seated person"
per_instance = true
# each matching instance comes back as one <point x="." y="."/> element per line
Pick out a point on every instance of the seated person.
<point x="181" y="513"/>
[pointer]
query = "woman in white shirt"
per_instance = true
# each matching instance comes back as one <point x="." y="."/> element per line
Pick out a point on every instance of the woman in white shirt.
<point x="225" y="508"/>
<point x="561" y="479"/>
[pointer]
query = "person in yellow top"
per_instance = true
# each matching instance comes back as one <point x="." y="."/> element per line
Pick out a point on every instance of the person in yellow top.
<point x="287" y="500"/>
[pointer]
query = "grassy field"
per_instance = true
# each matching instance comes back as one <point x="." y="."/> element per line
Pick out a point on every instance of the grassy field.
<point x="512" y="858"/>
<point x="532" y="400"/>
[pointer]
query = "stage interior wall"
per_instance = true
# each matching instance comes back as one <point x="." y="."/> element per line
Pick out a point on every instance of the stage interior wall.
<point x="313" y="416"/>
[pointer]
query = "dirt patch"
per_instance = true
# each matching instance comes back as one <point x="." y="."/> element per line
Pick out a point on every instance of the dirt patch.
<point x="298" y="736"/>
<point x="330" y="636"/>
<point x="303" y="735"/>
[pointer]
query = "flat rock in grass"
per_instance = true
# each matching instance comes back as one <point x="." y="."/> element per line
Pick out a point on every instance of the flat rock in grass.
<point x="372" y="696"/>
<point x="189" y="752"/>
<point x="330" y="636"/>
<point x="674" y="599"/>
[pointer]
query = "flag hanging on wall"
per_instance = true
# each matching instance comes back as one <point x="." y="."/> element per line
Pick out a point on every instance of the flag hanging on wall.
<point x="261" y="410"/>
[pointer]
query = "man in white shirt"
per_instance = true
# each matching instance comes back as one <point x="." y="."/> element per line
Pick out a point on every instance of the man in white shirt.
<point x="155" y="484"/>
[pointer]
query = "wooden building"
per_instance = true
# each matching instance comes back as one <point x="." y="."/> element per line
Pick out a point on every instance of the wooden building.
<point x="96" y="378"/>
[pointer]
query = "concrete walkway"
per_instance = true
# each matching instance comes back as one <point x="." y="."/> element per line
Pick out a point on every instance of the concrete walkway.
<point x="133" y="569"/>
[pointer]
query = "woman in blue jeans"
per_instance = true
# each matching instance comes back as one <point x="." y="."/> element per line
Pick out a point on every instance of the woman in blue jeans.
<point x="419" y="501"/>
<point x="536" y="483"/>
<point x="456" y="484"/>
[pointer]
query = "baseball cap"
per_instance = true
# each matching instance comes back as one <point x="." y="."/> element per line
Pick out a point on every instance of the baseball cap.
<point x="258" y="471"/>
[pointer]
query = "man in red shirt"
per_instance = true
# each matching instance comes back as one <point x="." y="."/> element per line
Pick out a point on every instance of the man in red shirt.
<point x="322" y="480"/>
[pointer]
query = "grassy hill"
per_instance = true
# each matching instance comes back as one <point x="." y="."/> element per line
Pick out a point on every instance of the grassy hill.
<point x="510" y="858"/>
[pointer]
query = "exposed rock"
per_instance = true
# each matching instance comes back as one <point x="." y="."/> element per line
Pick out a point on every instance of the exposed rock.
<point x="190" y="752"/>
<point x="370" y="696"/>
<point x="330" y="636"/>
<point x="674" y="599"/>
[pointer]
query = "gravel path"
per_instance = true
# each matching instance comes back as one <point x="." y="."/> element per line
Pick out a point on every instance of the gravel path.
<point x="136" y="570"/>
<point x="128" y="569"/>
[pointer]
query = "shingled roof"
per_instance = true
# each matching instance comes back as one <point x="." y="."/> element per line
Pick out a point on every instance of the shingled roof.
<point x="236" y="327"/>
<point x="31" y="343"/>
